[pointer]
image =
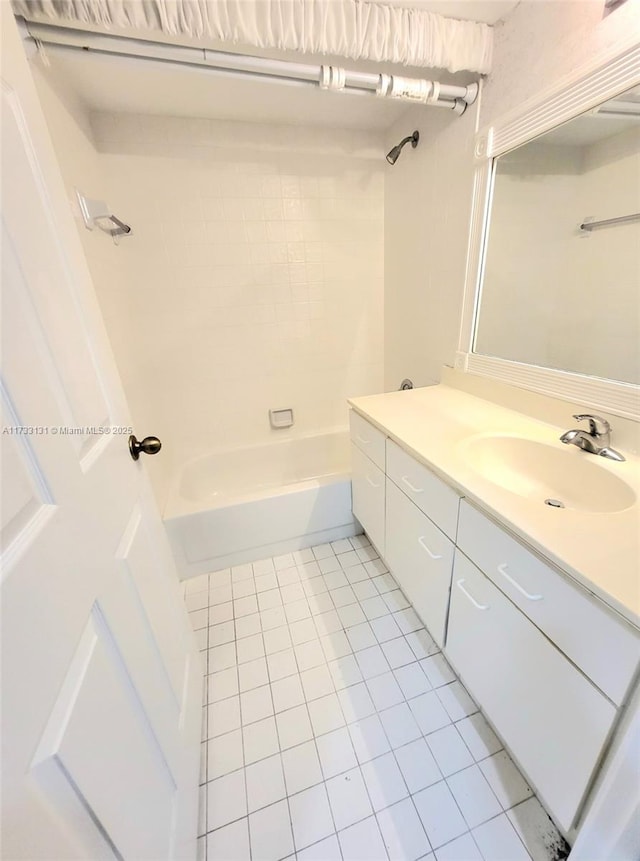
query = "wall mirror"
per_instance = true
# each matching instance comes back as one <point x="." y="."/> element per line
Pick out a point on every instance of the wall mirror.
<point x="553" y="284"/>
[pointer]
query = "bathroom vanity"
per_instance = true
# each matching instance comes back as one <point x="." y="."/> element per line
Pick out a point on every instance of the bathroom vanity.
<point x="535" y="606"/>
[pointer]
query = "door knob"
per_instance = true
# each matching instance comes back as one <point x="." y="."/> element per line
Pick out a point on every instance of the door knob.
<point x="149" y="445"/>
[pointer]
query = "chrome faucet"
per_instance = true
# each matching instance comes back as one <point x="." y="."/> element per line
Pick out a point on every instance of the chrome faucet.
<point x="596" y="440"/>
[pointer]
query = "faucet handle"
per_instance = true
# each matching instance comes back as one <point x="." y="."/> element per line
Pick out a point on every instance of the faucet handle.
<point x="594" y="430"/>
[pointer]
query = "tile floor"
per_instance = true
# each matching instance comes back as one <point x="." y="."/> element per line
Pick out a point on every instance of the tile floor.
<point x="334" y="728"/>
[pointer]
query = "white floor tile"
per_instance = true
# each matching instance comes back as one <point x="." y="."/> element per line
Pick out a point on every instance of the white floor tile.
<point x="384" y="583"/>
<point x="287" y="576"/>
<point x="223" y="716"/>
<point x="449" y="751"/>
<point x="439" y="814"/>
<point x="219" y="578"/>
<point x="372" y="662"/>
<point x="317" y="682"/>
<point x="256" y="704"/>
<point x="335" y="580"/>
<point x="269" y="600"/>
<point x="202" y="809"/>
<point x="270" y="831"/>
<point x="417" y="765"/>
<point x="310" y="816"/>
<point x="345" y="672"/>
<point x="537" y="831"/>
<point x="297" y="610"/>
<point x="273" y="618"/>
<point x="478" y="736"/>
<point x="412" y="680"/>
<point x="243" y="589"/>
<point x="365" y="589"/>
<point x="326" y="714"/>
<point x="351" y="615"/>
<point x="247" y="626"/>
<point x="384" y="781"/>
<point x="219" y="595"/>
<point x="277" y="640"/>
<point x="321" y="551"/>
<point x="302" y="631"/>
<point x="343" y="596"/>
<point x="402" y="832"/>
<point x="398" y="653"/>
<point x="368" y="738"/>
<point x="230" y="843"/>
<point x="376" y="567"/>
<point x="407" y="620"/>
<point x="328" y="623"/>
<point x="348" y="798"/>
<point x="282" y="664"/>
<point x="399" y="725"/>
<point x="284" y="561"/>
<point x="395" y="600"/>
<point x="241" y="572"/>
<point x="265" y="783"/>
<point x="287" y="693"/>
<point x="260" y="740"/>
<point x="197" y="601"/>
<point x="224" y="754"/>
<point x="321" y="603"/>
<point x="474" y="796"/>
<point x="360" y="540"/>
<point x="325" y="850"/>
<point x="201" y="583"/>
<point x="250" y="648"/>
<point x="498" y="841"/>
<point x="438" y="671"/>
<point x="245" y="606"/>
<point x="385" y="628"/>
<point x="329" y="565"/>
<point x="335" y="645"/>
<point x="422" y="643"/>
<point x="202" y="639"/>
<point x="226" y="800"/>
<point x="309" y="568"/>
<point x="221" y="613"/>
<point x="265" y="566"/>
<point x="356" y="703"/>
<point x="222" y="685"/>
<point x="374" y="608"/>
<point x="199" y="619"/>
<point x="347" y="559"/>
<point x="356" y="574"/>
<point x="385" y="691"/>
<point x="294" y="727"/>
<point x="461" y="849"/>
<point x="336" y="752"/>
<point x="253" y="674"/>
<point x="291" y="593"/>
<point x="266" y="582"/>
<point x="429" y="712"/>
<point x="301" y="767"/>
<point x="343" y="545"/>
<point x="363" y="842"/>
<point x="314" y="588"/>
<point x="309" y="655"/>
<point x="361" y="636"/>
<point x="457" y="702"/>
<point x="222" y="657"/>
<point x="505" y="779"/>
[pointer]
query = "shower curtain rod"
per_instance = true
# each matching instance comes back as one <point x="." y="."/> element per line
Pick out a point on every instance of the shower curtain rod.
<point x="328" y="77"/>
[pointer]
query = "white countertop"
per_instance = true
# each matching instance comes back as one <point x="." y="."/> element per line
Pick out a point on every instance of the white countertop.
<point x="601" y="550"/>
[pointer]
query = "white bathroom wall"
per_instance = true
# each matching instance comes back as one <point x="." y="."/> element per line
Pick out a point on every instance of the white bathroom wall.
<point x="427" y="211"/>
<point x="253" y="278"/>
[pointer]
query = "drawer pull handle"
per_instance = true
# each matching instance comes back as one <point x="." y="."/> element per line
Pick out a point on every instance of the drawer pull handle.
<point x="371" y="482"/>
<point x="363" y="440"/>
<point x="470" y="597"/>
<point x="502" y="569"/>
<point x="406" y="481"/>
<point x="424" y="547"/>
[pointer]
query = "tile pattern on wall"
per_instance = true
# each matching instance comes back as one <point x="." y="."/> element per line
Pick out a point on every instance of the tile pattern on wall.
<point x="253" y="278"/>
<point x="334" y="728"/>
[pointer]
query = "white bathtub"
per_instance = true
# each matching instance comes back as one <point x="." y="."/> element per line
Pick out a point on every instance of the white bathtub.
<point x="240" y="505"/>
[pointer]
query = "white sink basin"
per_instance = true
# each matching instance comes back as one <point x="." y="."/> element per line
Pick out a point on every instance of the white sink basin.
<point x="540" y="472"/>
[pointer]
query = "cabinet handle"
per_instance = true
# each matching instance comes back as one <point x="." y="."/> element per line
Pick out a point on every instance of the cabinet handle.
<point x="363" y="440"/>
<point x="406" y="481"/>
<point x="371" y="482"/>
<point x="502" y="569"/>
<point x="470" y="597"/>
<point x="424" y="547"/>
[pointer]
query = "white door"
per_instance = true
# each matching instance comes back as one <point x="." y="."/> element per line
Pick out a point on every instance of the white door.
<point x="101" y="680"/>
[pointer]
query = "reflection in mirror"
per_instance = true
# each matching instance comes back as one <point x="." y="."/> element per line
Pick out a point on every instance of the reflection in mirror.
<point x="556" y="294"/>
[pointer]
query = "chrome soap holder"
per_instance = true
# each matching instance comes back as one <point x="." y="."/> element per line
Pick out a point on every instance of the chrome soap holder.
<point x="95" y="213"/>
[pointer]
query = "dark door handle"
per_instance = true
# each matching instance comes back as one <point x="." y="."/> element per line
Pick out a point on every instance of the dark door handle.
<point x="149" y="445"/>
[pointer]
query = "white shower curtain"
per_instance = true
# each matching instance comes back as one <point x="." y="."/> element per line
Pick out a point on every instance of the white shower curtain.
<point x="347" y="28"/>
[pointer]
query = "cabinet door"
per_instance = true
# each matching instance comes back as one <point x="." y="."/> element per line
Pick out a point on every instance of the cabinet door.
<point x="551" y="717"/>
<point x="420" y="557"/>
<point x="368" y="496"/>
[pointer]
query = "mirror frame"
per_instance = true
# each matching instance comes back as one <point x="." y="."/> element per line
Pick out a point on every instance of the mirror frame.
<point x="584" y="89"/>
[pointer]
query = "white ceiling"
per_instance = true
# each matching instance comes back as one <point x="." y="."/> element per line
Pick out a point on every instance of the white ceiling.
<point x="485" y="11"/>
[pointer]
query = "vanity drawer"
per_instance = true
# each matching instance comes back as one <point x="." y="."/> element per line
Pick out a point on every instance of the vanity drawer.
<point x="430" y="494"/>
<point x="368" y="438"/>
<point x="553" y="720"/>
<point x="604" y="646"/>
<point x="420" y="557"/>
<point x="367" y="488"/>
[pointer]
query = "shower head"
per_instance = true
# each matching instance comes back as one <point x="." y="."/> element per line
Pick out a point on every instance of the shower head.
<point x="393" y="154"/>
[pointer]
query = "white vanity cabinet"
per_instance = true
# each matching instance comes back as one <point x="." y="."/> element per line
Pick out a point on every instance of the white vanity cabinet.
<point x="367" y="478"/>
<point x="549" y="715"/>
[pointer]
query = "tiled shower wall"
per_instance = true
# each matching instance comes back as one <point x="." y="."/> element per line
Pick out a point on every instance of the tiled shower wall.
<point x="253" y="278"/>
